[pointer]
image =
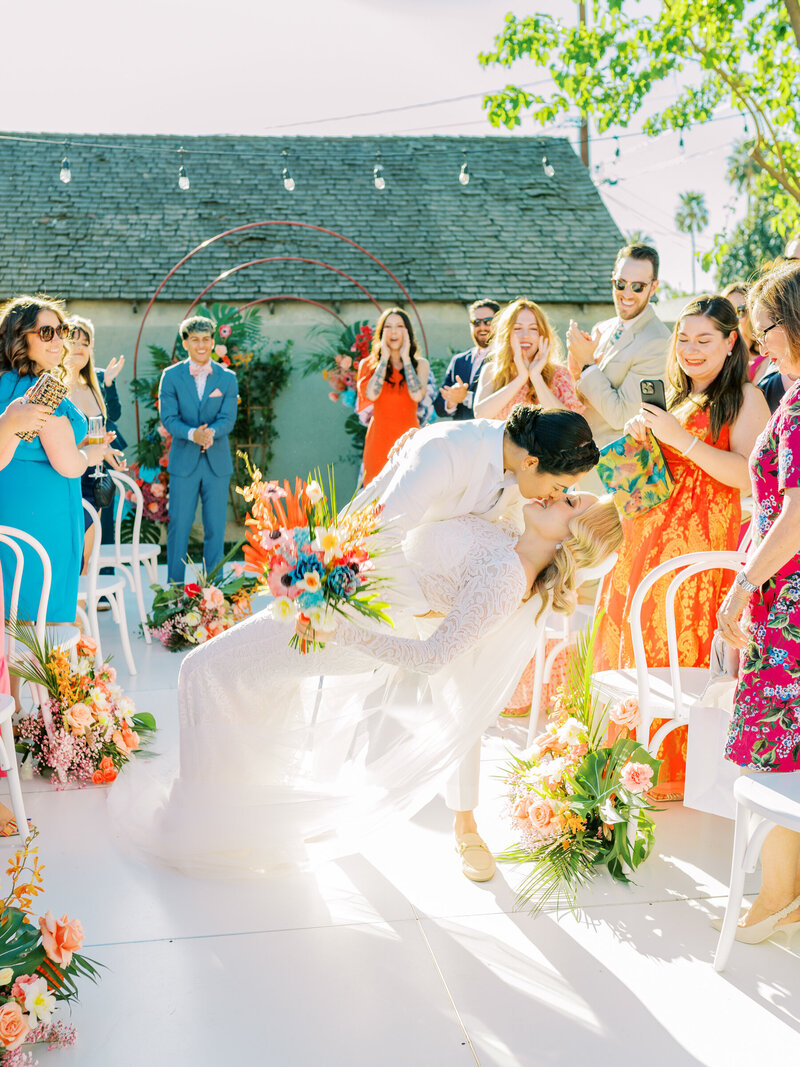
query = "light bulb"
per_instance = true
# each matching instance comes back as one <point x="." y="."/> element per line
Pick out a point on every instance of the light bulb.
<point x="463" y="174"/>
<point x="681" y="144"/>
<point x="288" y="180"/>
<point x="548" y="167"/>
<point x="377" y="176"/>
<point x="65" y="174"/>
<point x="183" y="178"/>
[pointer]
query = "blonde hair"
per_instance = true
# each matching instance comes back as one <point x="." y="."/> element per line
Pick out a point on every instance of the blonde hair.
<point x="87" y="373"/>
<point x="594" y="535"/>
<point x="501" y="356"/>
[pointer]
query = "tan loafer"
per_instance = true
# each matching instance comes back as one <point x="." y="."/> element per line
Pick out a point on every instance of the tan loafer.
<point x="477" y="862"/>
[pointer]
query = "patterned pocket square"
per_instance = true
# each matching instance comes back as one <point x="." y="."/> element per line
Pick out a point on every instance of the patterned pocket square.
<point x="217" y="392"/>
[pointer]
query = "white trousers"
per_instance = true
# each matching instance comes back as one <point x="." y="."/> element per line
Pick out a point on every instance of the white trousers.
<point x="461" y="791"/>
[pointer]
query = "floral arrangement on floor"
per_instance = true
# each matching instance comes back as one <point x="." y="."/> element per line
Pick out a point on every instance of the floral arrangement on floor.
<point x="183" y="616"/>
<point x="576" y="800"/>
<point x="95" y="728"/>
<point x="312" y="561"/>
<point x="39" y="964"/>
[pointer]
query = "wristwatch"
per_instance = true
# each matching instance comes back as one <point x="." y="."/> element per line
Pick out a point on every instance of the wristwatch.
<point x="742" y="581"/>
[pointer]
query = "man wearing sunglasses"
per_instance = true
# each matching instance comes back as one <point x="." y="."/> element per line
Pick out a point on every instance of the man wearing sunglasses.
<point x="455" y="398"/>
<point x="609" y="363"/>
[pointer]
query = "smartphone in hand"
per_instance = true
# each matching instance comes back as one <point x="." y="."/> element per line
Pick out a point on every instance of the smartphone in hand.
<point x="652" y="392"/>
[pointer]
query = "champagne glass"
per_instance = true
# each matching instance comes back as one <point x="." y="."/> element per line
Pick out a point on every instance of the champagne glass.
<point x="96" y="435"/>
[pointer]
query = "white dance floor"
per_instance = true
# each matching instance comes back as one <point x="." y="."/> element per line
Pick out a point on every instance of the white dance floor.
<point x="394" y="959"/>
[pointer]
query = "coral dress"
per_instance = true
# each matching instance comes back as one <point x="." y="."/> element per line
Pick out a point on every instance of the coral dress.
<point x="563" y="387"/>
<point x="765" y="728"/>
<point x="700" y="515"/>
<point x="395" y="411"/>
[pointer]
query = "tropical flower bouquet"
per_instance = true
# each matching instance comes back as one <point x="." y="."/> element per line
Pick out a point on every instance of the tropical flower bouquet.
<point x="39" y="964"/>
<point x="338" y="360"/>
<point x="183" y="616"/>
<point x="578" y="803"/>
<point x="95" y="729"/>
<point x="312" y="561"/>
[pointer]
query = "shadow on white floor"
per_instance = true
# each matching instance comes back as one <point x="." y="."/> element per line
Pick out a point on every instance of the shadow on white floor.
<point x="394" y="959"/>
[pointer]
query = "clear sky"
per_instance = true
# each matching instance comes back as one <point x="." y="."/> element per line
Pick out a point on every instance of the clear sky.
<point x="282" y="67"/>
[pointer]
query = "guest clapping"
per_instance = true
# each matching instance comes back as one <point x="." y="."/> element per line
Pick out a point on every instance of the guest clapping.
<point x="715" y="415"/>
<point x="394" y="379"/>
<point x="765" y="728"/>
<point x="522" y="365"/>
<point x="456" y="398"/>
<point x="40" y="483"/>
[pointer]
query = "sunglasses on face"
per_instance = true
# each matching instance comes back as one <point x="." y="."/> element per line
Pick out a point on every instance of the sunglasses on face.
<point x="481" y="322"/>
<point x="621" y="285"/>
<point x="741" y="310"/>
<point x="46" y="332"/>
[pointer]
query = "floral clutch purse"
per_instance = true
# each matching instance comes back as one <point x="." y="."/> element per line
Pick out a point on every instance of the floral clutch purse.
<point x="635" y="474"/>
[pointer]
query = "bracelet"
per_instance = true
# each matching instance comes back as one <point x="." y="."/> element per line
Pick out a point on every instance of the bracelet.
<point x="695" y="441"/>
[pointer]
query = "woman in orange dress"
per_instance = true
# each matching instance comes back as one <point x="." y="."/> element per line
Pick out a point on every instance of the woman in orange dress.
<point x="393" y="378"/>
<point x="523" y="366"/>
<point x="715" y="415"/>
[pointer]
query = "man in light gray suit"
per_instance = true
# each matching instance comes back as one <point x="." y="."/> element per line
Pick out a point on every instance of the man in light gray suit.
<point x="609" y="363"/>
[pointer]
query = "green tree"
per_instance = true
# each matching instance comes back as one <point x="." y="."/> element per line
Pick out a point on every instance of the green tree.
<point x="749" y="247"/>
<point x="745" y="53"/>
<point x="638" y="237"/>
<point x="692" y="217"/>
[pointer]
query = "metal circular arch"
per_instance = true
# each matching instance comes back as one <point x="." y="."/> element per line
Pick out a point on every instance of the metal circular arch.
<point x="256" y="225"/>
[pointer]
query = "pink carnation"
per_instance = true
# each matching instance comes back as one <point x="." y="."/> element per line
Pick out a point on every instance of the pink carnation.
<point x="636" y="777"/>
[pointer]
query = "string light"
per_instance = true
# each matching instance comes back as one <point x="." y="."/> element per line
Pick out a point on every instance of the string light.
<point x="617" y="150"/>
<point x="65" y="174"/>
<point x="377" y="172"/>
<point x="288" y="180"/>
<point x="183" y="177"/>
<point x="464" y="174"/>
<point x="681" y="143"/>
<point x="547" y="166"/>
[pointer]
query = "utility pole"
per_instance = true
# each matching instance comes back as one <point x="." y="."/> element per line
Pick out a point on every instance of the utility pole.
<point x="584" y="117"/>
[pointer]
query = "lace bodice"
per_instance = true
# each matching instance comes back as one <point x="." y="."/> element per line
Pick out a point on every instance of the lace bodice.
<point x="467" y="568"/>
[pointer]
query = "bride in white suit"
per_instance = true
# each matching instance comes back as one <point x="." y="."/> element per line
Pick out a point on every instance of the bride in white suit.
<point x="283" y="755"/>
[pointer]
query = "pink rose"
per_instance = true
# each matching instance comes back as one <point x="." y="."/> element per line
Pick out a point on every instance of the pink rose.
<point x="521" y="808"/>
<point x="157" y="489"/>
<point x="110" y="673"/>
<point x="541" y="815"/>
<point x="212" y="598"/>
<point x="13" y="1025"/>
<point x="21" y="984"/>
<point x="626" y="714"/>
<point x="221" y="350"/>
<point x="214" y="627"/>
<point x="636" y="777"/>
<point x="60" y="938"/>
<point x="79" y="716"/>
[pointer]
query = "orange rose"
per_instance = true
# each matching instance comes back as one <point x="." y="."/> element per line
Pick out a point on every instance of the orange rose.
<point x="79" y="716"/>
<point x="130" y="737"/>
<point x="87" y="645"/>
<point x="60" y="938"/>
<point x="13" y="1025"/>
<point x="97" y="778"/>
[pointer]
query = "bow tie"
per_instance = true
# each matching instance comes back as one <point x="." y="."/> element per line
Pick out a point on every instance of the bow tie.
<point x="199" y="370"/>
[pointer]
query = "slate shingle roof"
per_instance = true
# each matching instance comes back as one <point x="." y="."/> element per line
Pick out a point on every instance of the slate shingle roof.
<point x="122" y="222"/>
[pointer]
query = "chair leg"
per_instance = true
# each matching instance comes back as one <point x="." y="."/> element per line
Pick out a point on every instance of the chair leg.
<point x="730" y="922"/>
<point x="123" y="632"/>
<point x="137" y="581"/>
<point x="14" y="787"/>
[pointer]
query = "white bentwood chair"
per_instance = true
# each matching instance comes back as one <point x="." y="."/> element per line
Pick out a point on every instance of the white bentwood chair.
<point x="94" y="586"/>
<point x="663" y="692"/>
<point x="128" y="559"/>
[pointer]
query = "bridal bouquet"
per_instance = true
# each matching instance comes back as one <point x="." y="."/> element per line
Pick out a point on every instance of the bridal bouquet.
<point x="312" y="561"/>
<point x="39" y="964"/>
<point x="183" y="616"/>
<point x="95" y="729"/>
<point x="577" y="803"/>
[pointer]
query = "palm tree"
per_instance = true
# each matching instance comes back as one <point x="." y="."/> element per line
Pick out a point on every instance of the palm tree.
<point x="638" y="237"/>
<point x="692" y="217"/>
<point x="742" y="169"/>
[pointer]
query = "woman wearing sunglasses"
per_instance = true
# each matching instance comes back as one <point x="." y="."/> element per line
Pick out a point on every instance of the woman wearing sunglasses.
<point x="40" y="483"/>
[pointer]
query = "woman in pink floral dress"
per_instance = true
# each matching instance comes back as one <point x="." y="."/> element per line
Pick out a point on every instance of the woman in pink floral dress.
<point x="765" y="727"/>
<point x="523" y="366"/>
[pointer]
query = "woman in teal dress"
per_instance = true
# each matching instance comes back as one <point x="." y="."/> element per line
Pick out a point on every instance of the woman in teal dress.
<point x="40" y="485"/>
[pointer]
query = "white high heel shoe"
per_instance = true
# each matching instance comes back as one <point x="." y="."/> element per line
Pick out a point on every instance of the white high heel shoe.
<point x="758" y="932"/>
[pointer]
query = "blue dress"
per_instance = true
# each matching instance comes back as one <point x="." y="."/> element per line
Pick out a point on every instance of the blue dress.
<point x="35" y="498"/>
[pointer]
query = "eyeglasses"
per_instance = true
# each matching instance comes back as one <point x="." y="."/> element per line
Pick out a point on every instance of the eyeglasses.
<point x="761" y="337"/>
<point x="481" y="322"/>
<point x="638" y="287"/>
<point x="46" y="332"/>
<point x="77" y="334"/>
<point x="741" y="309"/>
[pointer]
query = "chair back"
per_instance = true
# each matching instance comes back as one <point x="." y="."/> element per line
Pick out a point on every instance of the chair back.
<point x="126" y="488"/>
<point x="10" y="535"/>
<point x="688" y="565"/>
<point x="93" y="563"/>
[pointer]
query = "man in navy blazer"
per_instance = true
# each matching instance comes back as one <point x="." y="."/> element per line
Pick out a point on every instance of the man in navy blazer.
<point x="455" y="398"/>
<point x="197" y="401"/>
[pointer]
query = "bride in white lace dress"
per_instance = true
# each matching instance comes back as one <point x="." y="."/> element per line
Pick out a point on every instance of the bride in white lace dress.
<point x="283" y="755"/>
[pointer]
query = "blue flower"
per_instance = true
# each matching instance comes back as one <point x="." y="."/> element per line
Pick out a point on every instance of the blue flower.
<point x="342" y="581"/>
<point x="310" y="600"/>
<point x="304" y="566"/>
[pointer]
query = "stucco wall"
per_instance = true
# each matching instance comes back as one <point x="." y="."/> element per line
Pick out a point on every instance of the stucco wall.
<point x="310" y="427"/>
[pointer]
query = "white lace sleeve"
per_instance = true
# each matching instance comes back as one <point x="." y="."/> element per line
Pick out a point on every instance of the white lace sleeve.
<point x="487" y="597"/>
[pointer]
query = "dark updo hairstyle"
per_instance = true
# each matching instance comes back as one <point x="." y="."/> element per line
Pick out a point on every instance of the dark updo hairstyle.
<point x="725" y="395"/>
<point x="561" y="440"/>
<point x="18" y="318"/>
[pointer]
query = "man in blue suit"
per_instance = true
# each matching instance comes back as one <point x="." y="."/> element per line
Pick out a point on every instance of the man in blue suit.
<point x="197" y="401"/>
<point x="461" y="379"/>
